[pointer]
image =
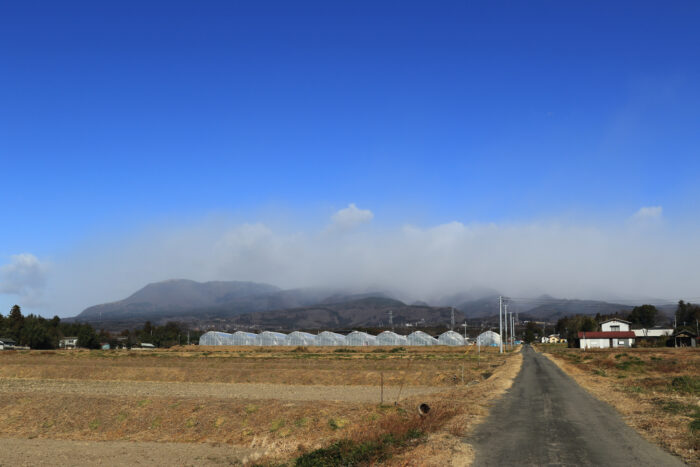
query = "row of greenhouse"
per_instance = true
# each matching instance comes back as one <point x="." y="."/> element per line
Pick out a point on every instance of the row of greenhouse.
<point x="355" y="338"/>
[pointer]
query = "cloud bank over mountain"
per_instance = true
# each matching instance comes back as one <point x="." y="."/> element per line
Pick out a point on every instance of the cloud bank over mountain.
<point x="414" y="263"/>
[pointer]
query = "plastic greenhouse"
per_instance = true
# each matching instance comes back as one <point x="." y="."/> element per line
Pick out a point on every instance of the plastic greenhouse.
<point x="271" y="338"/>
<point x="391" y="338"/>
<point x="421" y="338"/>
<point x="301" y="338"/>
<point x="360" y="338"/>
<point x="450" y="338"/>
<point x="330" y="338"/>
<point x="489" y="338"/>
<point x="216" y="338"/>
<point x="243" y="338"/>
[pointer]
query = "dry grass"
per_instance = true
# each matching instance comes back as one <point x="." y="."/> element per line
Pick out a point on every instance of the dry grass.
<point x="445" y="446"/>
<point x="280" y="429"/>
<point x="657" y="391"/>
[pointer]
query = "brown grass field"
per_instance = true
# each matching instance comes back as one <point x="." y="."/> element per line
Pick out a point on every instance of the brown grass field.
<point x="656" y="390"/>
<point x="268" y="405"/>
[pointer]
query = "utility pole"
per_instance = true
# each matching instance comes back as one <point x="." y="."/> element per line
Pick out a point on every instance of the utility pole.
<point x="512" y="330"/>
<point x="452" y="321"/>
<point x="391" y="319"/>
<point x="505" y="318"/>
<point x="544" y="323"/>
<point x="465" y="329"/>
<point x="500" y="323"/>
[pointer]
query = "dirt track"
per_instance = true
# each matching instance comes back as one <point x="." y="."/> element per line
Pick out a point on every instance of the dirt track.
<point x="210" y="390"/>
<point x="30" y="452"/>
<point x="546" y="418"/>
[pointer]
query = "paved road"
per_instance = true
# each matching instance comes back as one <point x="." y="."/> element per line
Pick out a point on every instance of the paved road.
<point x="546" y="418"/>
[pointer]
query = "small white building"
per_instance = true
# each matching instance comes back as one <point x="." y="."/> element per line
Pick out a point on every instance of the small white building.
<point x="653" y="332"/>
<point x="7" y="343"/>
<point x="68" y="343"/>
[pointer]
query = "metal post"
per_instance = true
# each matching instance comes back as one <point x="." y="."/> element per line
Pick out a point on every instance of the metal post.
<point x="505" y="318"/>
<point x="500" y="323"/>
<point x="381" y="400"/>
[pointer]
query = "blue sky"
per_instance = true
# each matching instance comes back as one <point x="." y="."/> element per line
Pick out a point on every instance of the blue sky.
<point x="122" y="117"/>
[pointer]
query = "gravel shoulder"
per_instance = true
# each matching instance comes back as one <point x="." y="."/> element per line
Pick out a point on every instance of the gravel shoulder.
<point x="212" y="390"/>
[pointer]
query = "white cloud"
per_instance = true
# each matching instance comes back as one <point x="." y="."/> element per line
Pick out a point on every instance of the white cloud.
<point x="24" y="276"/>
<point x="350" y="217"/>
<point x="649" y="213"/>
<point x="414" y="262"/>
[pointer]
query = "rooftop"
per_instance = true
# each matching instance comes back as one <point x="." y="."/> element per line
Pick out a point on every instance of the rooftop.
<point x="606" y="335"/>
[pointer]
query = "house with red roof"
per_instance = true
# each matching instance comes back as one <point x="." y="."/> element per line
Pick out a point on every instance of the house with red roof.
<point x="614" y="333"/>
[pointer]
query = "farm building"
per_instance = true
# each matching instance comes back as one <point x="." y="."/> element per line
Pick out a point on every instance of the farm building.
<point x="391" y="338"/>
<point x="7" y="343"/>
<point x="421" y="338"/>
<point x="301" y="338"/>
<point x="271" y="338"/>
<point x="489" y="339"/>
<point x="653" y="332"/>
<point x="330" y="338"/>
<point x="216" y="338"/>
<point x="360" y="338"/>
<point x="653" y="335"/>
<point x="243" y="338"/>
<point x="685" y="338"/>
<point x="450" y="338"/>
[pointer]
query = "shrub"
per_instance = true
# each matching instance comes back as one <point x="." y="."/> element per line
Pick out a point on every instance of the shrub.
<point x="686" y="384"/>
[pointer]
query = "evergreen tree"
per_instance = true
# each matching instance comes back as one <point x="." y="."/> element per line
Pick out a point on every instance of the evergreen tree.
<point x="645" y="315"/>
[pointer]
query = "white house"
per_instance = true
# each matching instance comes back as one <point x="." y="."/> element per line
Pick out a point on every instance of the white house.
<point x="615" y="333"/>
<point x="615" y="325"/>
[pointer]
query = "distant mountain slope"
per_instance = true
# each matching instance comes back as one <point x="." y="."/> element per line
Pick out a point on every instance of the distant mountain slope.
<point x="182" y="299"/>
<point x="544" y="307"/>
<point x="364" y="312"/>
<point x="554" y="309"/>
<point x="267" y="305"/>
<point x="181" y="296"/>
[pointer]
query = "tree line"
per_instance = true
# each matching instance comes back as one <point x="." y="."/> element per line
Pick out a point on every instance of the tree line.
<point x="37" y="332"/>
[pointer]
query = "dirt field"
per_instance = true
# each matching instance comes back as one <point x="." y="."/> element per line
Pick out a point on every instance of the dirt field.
<point x="263" y="391"/>
<point x="657" y="391"/>
<point x="252" y="402"/>
<point x="32" y="452"/>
